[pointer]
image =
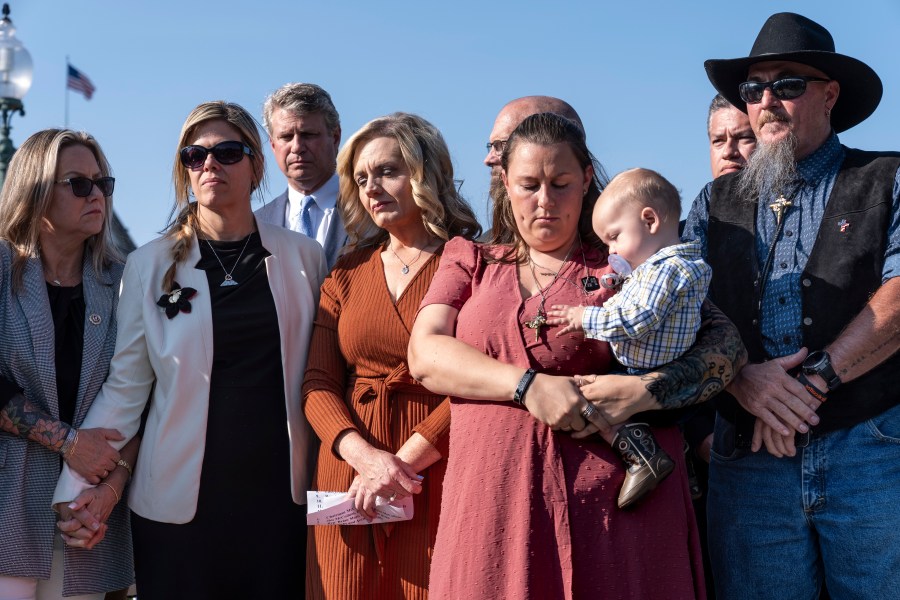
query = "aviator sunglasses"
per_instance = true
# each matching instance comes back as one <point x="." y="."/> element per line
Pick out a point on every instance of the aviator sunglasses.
<point x="82" y="186"/>
<point x="786" y="88"/>
<point x="226" y="153"/>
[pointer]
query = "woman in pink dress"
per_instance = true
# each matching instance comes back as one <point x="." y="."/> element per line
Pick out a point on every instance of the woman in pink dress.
<point x="529" y="503"/>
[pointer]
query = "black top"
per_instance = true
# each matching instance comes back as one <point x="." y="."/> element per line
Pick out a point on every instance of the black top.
<point x="67" y="307"/>
<point x="246" y="462"/>
<point x="246" y="431"/>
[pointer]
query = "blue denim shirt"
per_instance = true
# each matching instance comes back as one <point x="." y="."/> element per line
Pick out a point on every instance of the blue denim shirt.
<point x="782" y="308"/>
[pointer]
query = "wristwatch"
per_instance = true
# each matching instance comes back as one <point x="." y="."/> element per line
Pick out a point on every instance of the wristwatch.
<point x="819" y="363"/>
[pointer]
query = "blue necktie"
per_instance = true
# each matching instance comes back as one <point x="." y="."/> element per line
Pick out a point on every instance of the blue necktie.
<point x="306" y="227"/>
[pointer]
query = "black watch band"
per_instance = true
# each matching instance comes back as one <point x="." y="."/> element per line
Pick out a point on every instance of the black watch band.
<point x="524" y="384"/>
<point x="819" y="363"/>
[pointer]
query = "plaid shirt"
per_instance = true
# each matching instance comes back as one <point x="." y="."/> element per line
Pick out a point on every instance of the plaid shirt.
<point x="655" y="316"/>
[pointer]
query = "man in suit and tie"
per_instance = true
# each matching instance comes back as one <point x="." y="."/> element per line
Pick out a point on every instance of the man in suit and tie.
<point x="305" y="133"/>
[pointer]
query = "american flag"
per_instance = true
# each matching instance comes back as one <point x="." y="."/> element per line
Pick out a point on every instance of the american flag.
<point x="79" y="82"/>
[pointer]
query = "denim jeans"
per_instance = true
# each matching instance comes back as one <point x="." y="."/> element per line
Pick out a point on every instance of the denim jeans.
<point x="778" y="527"/>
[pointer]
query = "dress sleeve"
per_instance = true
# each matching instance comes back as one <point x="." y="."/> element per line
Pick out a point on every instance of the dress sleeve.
<point x="325" y="384"/>
<point x="452" y="284"/>
<point x="436" y="427"/>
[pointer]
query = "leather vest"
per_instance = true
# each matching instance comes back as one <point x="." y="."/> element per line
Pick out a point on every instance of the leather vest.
<point x="843" y="271"/>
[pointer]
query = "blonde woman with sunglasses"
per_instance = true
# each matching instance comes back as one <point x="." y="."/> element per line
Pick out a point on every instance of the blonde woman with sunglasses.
<point x="215" y="318"/>
<point x="59" y="278"/>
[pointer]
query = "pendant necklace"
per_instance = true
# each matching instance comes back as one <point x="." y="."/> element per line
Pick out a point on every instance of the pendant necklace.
<point x="405" y="269"/>
<point x="540" y="318"/>
<point x="229" y="280"/>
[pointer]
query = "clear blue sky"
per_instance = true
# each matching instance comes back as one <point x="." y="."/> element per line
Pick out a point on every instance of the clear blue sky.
<point x="633" y="70"/>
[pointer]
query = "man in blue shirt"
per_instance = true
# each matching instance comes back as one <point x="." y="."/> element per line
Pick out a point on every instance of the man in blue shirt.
<point x="805" y="249"/>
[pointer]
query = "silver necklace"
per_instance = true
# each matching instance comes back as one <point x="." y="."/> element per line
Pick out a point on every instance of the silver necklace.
<point x="405" y="269"/>
<point x="229" y="280"/>
<point x="540" y="318"/>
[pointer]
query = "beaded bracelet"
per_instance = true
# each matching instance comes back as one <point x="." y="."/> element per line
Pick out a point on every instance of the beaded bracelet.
<point x="124" y="464"/>
<point x="524" y="383"/>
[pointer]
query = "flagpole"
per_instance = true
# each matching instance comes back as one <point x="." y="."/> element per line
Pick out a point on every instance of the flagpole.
<point x="66" y="122"/>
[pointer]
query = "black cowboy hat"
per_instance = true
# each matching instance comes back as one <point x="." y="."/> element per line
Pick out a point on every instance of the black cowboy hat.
<point x="792" y="37"/>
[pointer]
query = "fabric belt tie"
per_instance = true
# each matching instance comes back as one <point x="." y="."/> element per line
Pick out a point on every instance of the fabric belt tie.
<point x="378" y="390"/>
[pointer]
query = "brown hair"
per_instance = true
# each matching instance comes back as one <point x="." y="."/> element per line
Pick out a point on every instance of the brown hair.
<point x="28" y="192"/>
<point x="183" y="219"/>
<point x="545" y="129"/>
<point x="301" y="99"/>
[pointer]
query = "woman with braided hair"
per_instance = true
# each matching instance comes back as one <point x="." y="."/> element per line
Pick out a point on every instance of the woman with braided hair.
<point x="214" y="325"/>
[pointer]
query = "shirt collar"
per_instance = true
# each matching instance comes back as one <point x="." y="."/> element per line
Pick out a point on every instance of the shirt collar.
<point x="824" y="161"/>
<point x="325" y="196"/>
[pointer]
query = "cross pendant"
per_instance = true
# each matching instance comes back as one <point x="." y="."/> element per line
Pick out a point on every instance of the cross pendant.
<point x="536" y="323"/>
<point x="779" y="207"/>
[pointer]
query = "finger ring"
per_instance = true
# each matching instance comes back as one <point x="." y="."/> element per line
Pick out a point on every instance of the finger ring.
<point x="579" y="381"/>
<point x="393" y="497"/>
<point x="588" y="411"/>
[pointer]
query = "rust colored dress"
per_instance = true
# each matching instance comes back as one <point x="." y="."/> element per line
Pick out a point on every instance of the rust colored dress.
<point x="529" y="513"/>
<point x="357" y="378"/>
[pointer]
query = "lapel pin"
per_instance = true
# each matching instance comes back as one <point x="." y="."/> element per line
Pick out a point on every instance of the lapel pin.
<point x="844" y="224"/>
<point x="95" y="319"/>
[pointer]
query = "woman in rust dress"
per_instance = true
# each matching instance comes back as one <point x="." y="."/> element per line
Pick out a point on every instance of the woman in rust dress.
<point x="380" y="429"/>
<point x="529" y="507"/>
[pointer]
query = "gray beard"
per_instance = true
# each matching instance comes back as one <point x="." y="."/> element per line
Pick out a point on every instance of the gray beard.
<point x="771" y="168"/>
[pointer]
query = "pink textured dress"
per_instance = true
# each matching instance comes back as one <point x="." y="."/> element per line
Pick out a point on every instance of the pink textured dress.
<point x="528" y="513"/>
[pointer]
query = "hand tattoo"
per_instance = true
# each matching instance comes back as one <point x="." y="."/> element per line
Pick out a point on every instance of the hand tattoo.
<point x="22" y="418"/>
<point x="705" y="369"/>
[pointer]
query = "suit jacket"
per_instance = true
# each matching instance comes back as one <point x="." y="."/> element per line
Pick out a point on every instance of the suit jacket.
<point x="170" y="362"/>
<point x="335" y="239"/>
<point x="28" y="471"/>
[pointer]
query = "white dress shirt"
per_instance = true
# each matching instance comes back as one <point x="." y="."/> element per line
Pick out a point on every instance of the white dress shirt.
<point x="321" y="212"/>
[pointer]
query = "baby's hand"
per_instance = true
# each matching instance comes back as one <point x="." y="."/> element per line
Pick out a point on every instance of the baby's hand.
<point x="570" y="316"/>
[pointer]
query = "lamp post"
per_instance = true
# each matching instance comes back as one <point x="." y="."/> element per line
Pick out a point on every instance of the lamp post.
<point x="15" y="80"/>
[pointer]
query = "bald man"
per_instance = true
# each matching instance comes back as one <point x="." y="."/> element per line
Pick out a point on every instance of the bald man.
<point x="510" y="116"/>
<point x="514" y="113"/>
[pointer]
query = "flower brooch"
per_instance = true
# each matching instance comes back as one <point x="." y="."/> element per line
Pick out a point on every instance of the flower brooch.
<point x="177" y="300"/>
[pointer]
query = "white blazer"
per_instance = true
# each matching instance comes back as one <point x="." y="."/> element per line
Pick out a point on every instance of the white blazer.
<point x="169" y="362"/>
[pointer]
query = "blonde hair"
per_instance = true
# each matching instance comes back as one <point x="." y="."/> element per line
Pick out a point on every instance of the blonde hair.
<point x="183" y="224"/>
<point x="28" y="192"/>
<point x="445" y="213"/>
<point x="643" y="187"/>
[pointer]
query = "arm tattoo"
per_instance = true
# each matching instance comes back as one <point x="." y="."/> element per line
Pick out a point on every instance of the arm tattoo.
<point x="22" y="418"/>
<point x="705" y="369"/>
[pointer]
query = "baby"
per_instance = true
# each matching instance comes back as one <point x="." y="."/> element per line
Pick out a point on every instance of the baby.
<point x="654" y="318"/>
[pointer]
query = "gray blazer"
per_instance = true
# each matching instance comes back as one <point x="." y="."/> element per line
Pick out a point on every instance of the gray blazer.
<point x="27" y="357"/>
<point x="274" y="212"/>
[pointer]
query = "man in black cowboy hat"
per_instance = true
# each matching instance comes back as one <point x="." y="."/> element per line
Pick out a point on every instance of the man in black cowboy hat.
<point x="805" y="249"/>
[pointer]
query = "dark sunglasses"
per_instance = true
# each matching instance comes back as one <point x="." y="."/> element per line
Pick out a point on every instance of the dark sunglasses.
<point x="82" y="186"/>
<point x="786" y="88"/>
<point x="226" y="153"/>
